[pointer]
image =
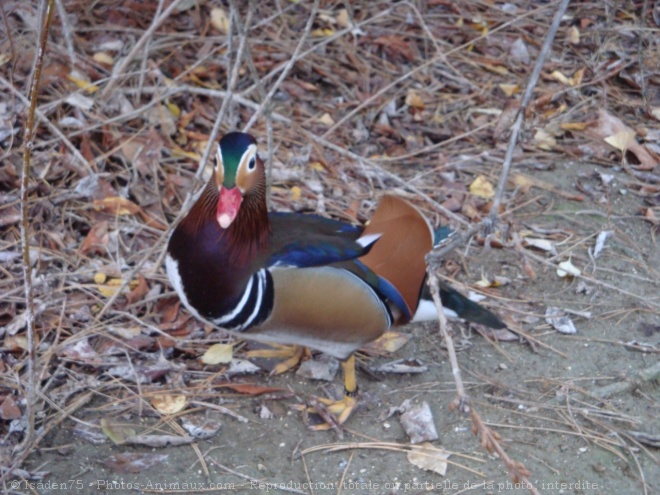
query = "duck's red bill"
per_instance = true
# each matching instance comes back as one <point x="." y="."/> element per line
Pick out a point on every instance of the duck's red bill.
<point x="228" y="205"/>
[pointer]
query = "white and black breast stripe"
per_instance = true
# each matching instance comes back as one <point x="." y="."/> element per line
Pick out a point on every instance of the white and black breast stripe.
<point x="254" y="305"/>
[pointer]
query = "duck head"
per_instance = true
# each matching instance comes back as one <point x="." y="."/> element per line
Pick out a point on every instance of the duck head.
<point x="239" y="175"/>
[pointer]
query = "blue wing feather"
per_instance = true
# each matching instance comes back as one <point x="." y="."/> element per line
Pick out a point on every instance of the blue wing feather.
<point x="312" y="240"/>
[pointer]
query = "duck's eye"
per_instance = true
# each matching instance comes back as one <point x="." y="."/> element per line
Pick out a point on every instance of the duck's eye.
<point x="252" y="164"/>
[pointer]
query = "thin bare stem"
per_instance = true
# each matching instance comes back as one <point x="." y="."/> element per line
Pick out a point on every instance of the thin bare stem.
<point x="490" y="221"/>
<point x="29" y="134"/>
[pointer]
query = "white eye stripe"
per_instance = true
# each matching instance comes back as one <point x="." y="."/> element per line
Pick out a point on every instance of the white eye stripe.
<point x="249" y="159"/>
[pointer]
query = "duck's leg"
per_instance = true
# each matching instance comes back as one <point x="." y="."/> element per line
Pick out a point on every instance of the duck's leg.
<point x="343" y="408"/>
<point x="290" y="354"/>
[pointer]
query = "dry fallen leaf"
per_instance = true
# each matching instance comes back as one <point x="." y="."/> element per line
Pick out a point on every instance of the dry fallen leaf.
<point x="573" y="35"/>
<point x="558" y="76"/>
<point x="82" y="83"/>
<point x="567" y="268"/>
<point x="326" y="119"/>
<point x="613" y="128"/>
<point x="429" y="458"/>
<point x="168" y="403"/>
<point x="559" y="320"/>
<point x="220" y="20"/>
<point x="103" y="58"/>
<point x="509" y="89"/>
<point x="218" y="354"/>
<point x="414" y="100"/>
<point x="343" y="20"/>
<point x="482" y="188"/>
<point x="387" y="343"/>
<point x="96" y="240"/>
<point x="417" y="422"/>
<point x="621" y="140"/>
<point x="544" y="140"/>
<point x="116" y="205"/>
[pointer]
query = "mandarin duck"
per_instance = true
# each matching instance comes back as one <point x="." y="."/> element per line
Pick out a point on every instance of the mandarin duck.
<point x="302" y="279"/>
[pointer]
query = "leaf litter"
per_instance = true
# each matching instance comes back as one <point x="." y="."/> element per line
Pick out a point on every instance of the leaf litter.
<point x="378" y="99"/>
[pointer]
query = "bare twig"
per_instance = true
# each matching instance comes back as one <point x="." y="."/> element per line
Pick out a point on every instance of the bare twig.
<point x="489" y="222"/>
<point x="29" y="134"/>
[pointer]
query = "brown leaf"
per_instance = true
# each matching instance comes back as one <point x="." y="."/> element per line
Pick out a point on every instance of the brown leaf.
<point x="615" y="132"/>
<point x="9" y="216"/>
<point x="395" y="46"/>
<point x="139" y="291"/>
<point x="9" y="409"/>
<point x="97" y="239"/>
<point x="168" y="308"/>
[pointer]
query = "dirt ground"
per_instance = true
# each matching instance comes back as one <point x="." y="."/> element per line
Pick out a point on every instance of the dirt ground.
<point x="580" y="410"/>
<point x="531" y="398"/>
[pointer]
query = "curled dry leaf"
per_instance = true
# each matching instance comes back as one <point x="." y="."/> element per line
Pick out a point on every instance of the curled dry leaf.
<point x="573" y="35"/>
<point x="96" y="240"/>
<point x="509" y="89"/>
<point x="168" y="403"/>
<point x="567" y="268"/>
<point x="559" y="320"/>
<point x="220" y="20"/>
<point x="541" y="244"/>
<point x="417" y="422"/>
<point x="138" y="291"/>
